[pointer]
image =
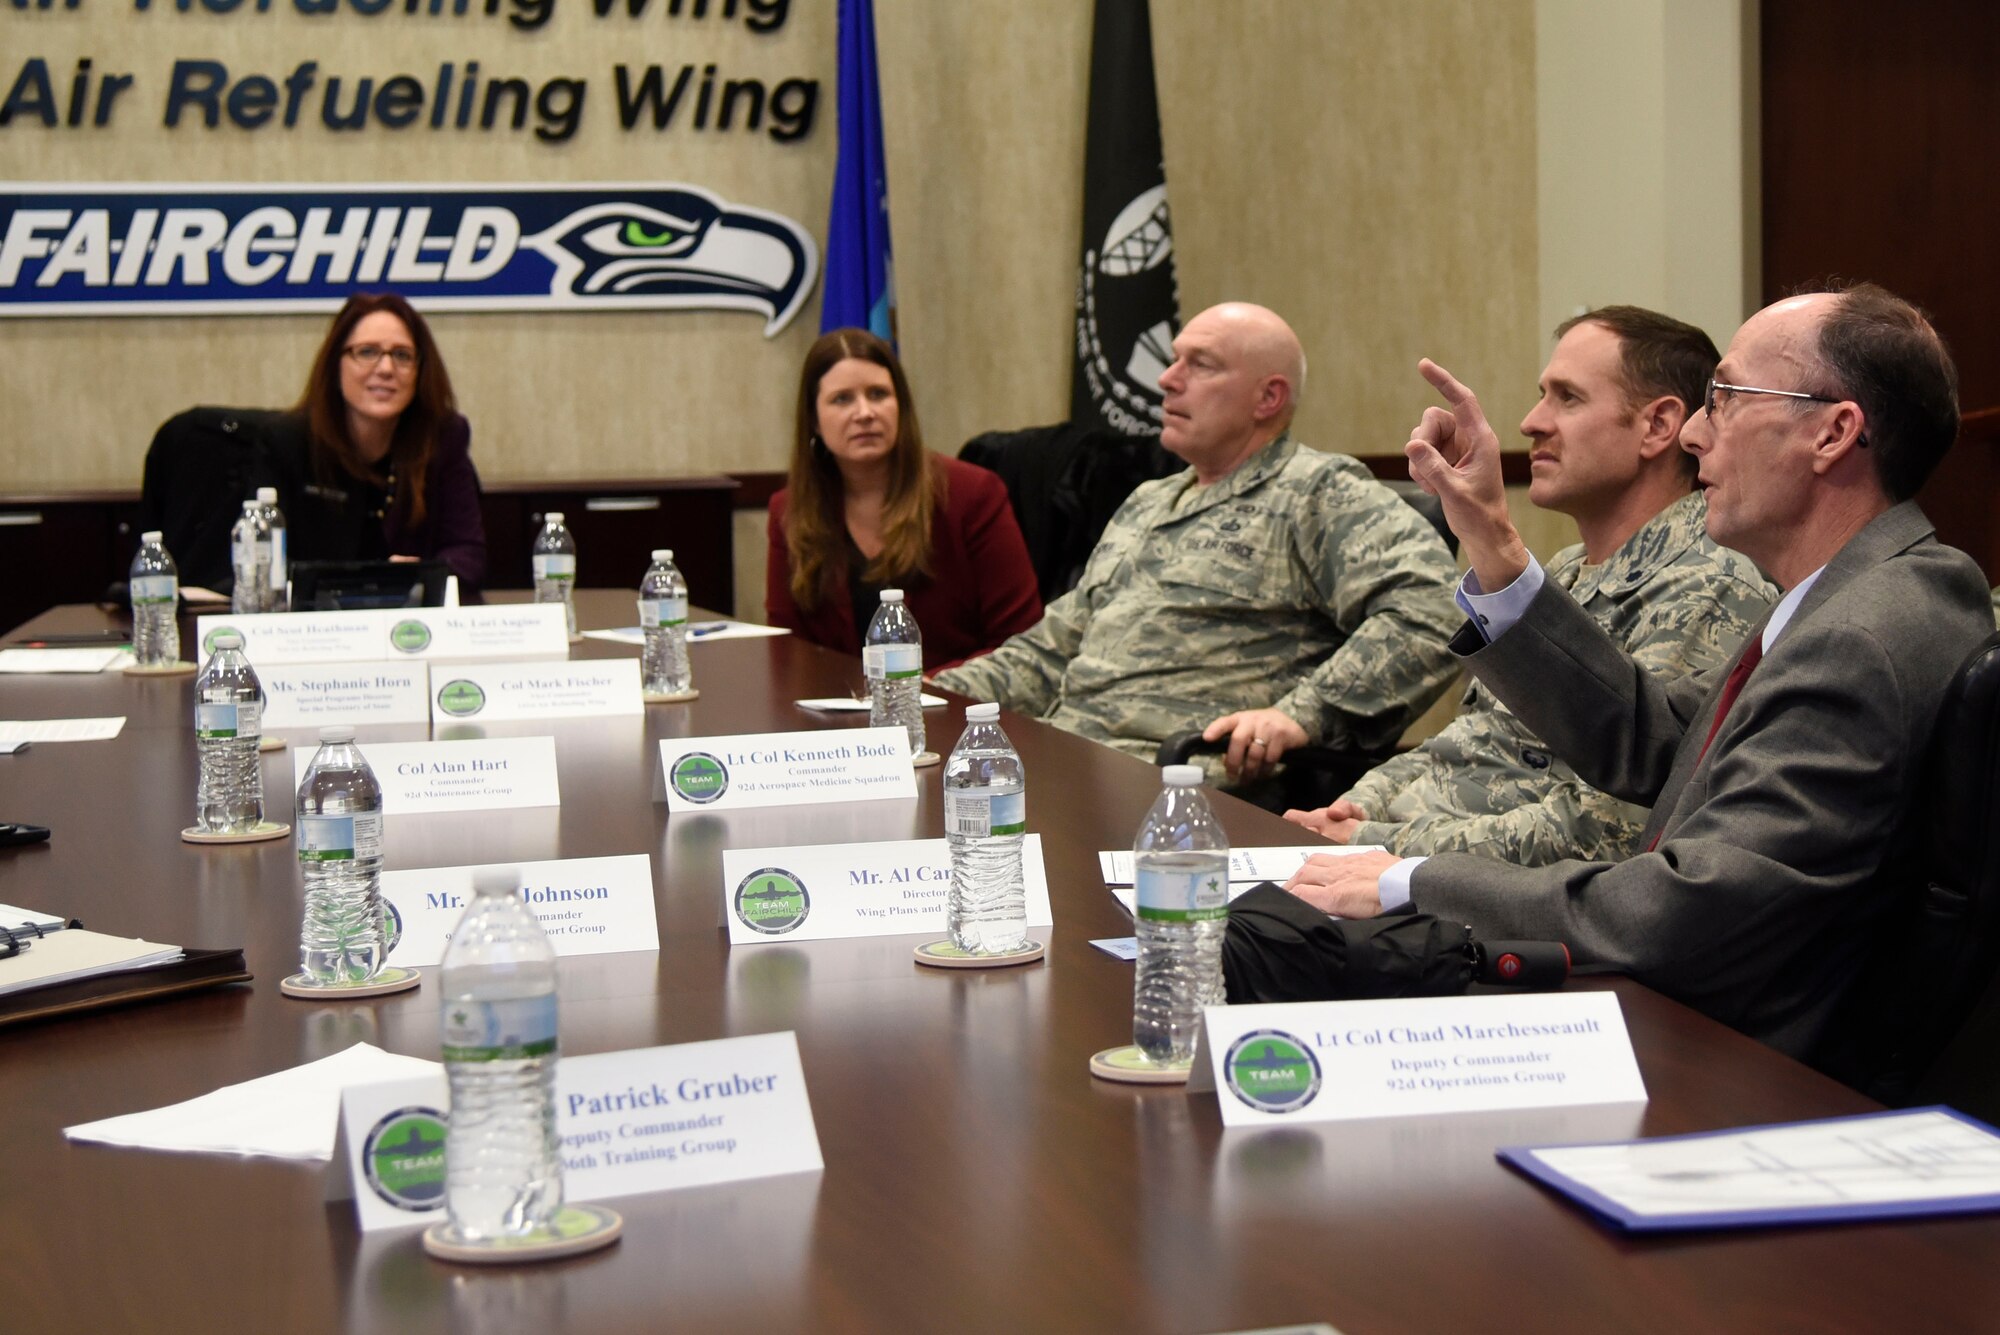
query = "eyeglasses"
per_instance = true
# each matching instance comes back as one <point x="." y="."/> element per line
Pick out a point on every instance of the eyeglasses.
<point x="367" y="355"/>
<point x="1708" y="401"/>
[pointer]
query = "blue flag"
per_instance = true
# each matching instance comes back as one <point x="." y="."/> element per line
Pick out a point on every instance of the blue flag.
<point x="859" y="288"/>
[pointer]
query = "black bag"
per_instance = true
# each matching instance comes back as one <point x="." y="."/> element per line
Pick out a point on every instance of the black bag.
<point x="1280" y="948"/>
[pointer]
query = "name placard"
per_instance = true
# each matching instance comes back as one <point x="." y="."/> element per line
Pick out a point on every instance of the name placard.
<point x="588" y="906"/>
<point x="819" y="891"/>
<point x="484" y="775"/>
<point x="584" y="689"/>
<point x="1328" y="1061"/>
<point x="786" y="769"/>
<point x="652" y="1119"/>
<point x="500" y="630"/>
<point x="307" y="696"/>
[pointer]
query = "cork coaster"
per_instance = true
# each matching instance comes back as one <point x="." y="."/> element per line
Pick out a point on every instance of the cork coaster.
<point x="945" y="955"/>
<point x="1129" y="1066"/>
<point x="256" y="834"/>
<point x="669" y="697"/>
<point x="924" y="759"/>
<point x="393" y="979"/>
<point x="182" y="669"/>
<point x="575" y="1229"/>
<point x="271" y="743"/>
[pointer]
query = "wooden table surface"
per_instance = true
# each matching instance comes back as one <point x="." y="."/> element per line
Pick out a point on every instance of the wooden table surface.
<point x="976" y="1177"/>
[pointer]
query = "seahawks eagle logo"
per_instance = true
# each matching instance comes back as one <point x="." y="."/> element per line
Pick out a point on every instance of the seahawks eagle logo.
<point x="680" y="248"/>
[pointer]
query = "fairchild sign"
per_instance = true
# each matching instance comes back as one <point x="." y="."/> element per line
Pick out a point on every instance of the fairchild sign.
<point x="242" y="249"/>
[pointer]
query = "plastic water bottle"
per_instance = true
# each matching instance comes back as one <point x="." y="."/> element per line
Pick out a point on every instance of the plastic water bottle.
<point x="276" y="596"/>
<point x="502" y="1173"/>
<point x="663" y="614"/>
<point x="342" y="938"/>
<point x="228" y="724"/>
<point x="892" y="655"/>
<point x="555" y="567"/>
<point x="156" y="588"/>
<point x="1181" y="863"/>
<point x="985" y="822"/>
<point x="250" y="558"/>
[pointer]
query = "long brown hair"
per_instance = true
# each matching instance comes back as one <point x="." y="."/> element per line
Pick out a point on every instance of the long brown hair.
<point x="815" y="520"/>
<point x="431" y="405"/>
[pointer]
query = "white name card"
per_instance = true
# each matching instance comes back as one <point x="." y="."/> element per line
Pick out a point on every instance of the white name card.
<point x="311" y="695"/>
<point x="651" y="1119"/>
<point x="484" y="775"/>
<point x="786" y="769"/>
<point x="819" y="891"/>
<point x="500" y="630"/>
<point x="590" y="687"/>
<point x="1329" y="1061"/>
<point x="1252" y="865"/>
<point x="588" y="906"/>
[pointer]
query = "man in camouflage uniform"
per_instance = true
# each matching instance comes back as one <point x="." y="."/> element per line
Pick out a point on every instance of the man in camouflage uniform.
<point x="1266" y="575"/>
<point x="1606" y="453"/>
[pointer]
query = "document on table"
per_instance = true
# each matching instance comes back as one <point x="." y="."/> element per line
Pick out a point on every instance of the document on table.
<point x="60" y="729"/>
<point x="698" y="632"/>
<point x="61" y="660"/>
<point x="847" y="704"/>
<point x="1920" y="1161"/>
<point x="65" y="955"/>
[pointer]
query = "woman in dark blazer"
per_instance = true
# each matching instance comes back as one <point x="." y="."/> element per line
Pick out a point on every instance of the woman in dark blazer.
<point x="867" y="508"/>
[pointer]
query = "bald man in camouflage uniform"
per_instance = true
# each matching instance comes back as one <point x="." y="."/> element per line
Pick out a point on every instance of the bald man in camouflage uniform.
<point x="1267" y="576"/>
<point x="1604" y="451"/>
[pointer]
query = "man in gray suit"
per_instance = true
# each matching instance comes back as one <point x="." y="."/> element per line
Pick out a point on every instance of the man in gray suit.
<point x="1781" y="820"/>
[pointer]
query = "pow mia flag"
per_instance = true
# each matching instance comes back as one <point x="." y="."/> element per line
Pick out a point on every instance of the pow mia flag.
<point x="1127" y="298"/>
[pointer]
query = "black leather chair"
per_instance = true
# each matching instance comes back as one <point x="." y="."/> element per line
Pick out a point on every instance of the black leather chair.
<point x="202" y="465"/>
<point x="1922" y="1022"/>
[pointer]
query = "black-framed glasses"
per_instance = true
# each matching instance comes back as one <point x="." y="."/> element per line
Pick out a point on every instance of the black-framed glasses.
<point x="366" y="355"/>
<point x="1708" y="401"/>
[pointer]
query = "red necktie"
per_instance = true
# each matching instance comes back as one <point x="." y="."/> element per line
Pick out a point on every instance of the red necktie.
<point x="1731" y="688"/>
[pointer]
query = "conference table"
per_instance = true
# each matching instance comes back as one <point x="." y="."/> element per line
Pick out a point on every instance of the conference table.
<point x="976" y="1176"/>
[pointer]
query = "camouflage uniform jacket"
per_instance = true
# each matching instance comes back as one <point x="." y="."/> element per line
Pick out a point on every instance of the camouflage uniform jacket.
<point x="1485" y="784"/>
<point x="1296" y="581"/>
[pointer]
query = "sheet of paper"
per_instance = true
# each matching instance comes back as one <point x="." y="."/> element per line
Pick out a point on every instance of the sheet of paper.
<point x="699" y="631"/>
<point x="846" y="704"/>
<point x="1874" y="1166"/>
<point x="1245" y="864"/>
<point x="61" y="729"/>
<point x="11" y="916"/>
<point x="1119" y="947"/>
<point x="288" y="1115"/>
<point x="58" y="660"/>
<point x="62" y="956"/>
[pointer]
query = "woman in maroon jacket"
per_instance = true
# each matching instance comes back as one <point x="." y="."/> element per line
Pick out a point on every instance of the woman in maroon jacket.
<point x="868" y="508"/>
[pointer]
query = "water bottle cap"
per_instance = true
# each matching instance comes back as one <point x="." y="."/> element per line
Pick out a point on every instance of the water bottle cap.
<point x="249" y="505"/>
<point x="892" y="595"/>
<point x="151" y="535"/>
<point x="552" y="517"/>
<point x="982" y="713"/>
<point x="267" y="495"/>
<point x="663" y="553"/>
<point x="1181" y="776"/>
<point x="228" y="639"/>
<point x="337" y="732"/>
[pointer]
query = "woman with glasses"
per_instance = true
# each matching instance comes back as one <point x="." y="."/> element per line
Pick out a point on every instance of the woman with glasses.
<point x="387" y="460"/>
<point x="866" y="506"/>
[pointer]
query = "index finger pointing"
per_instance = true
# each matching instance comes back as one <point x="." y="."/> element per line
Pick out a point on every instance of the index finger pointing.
<point x="1445" y="383"/>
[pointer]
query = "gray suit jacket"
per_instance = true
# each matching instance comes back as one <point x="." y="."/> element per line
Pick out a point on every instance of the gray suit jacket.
<point x="1781" y="847"/>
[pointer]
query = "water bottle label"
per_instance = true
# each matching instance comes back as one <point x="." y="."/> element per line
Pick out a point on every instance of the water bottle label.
<point x="981" y="812"/>
<point x="892" y="662"/>
<point x="1180" y="896"/>
<point x="217" y="720"/>
<point x="151" y="589"/>
<point x="340" y="838"/>
<point x="277" y="558"/>
<point x="500" y="1031"/>
<point x="657" y="612"/>
<point x="554" y="565"/>
<point x="250" y="718"/>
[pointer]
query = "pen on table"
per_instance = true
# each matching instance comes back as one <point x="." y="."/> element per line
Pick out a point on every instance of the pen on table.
<point x="708" y="628"/>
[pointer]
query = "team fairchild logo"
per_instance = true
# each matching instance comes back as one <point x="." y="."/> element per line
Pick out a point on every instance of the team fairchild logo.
<point x="403" y="1159"/>
<point x="242" y="249"/>
<point x="1272" y="1071"/>
<point x="461" y="698"/>
<point x="412" y="637"/>
<point x="772" y="901"/>
<point x="699" y="777"/>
